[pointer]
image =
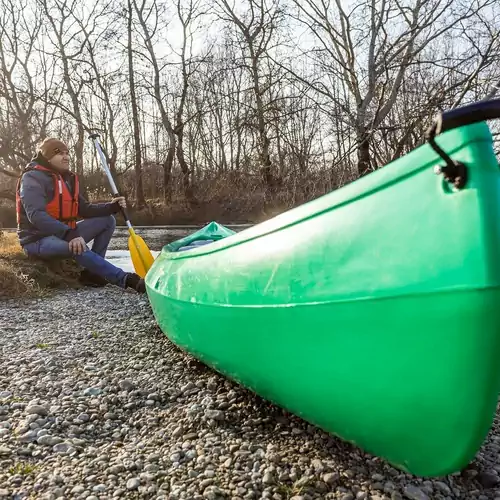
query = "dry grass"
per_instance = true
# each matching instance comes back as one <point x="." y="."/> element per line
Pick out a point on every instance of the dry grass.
<point x="9" y="246"/>
<point x="21" y="276"/>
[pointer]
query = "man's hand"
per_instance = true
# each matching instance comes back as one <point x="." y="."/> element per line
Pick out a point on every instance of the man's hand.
<point x="121" y="201"/>
<point x="77" y="246"/>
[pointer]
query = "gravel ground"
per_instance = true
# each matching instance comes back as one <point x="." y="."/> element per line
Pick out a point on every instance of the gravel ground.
<point x="96" y="403"/>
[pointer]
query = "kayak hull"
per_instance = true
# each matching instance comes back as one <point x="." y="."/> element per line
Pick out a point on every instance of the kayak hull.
<point x="370" y="312"/>
<point x="407" y="401"/>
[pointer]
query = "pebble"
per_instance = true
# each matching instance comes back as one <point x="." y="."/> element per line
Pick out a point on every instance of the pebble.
<point x="92" y="391"/>
<point x="88" y="424"/>
<point x="63" y="448"/>
<point x="126" y="385"/>
<point x="215" y="414"/>
<point x="487" y="479"/>
<point x="331" y="478"/>
<point x="37" y="410"/>
<point x="415" y="493"/>
<point x="268" y="478"/>
<point x="28" y="437"/>
<point x="133" y="484"/>
<point x="442" y="487"/>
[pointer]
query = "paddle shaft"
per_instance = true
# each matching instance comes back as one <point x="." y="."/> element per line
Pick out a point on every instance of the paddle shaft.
<point x="95" y="139"/>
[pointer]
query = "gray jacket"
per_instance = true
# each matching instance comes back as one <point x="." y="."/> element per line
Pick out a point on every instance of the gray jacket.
<point x="36" y="189"/>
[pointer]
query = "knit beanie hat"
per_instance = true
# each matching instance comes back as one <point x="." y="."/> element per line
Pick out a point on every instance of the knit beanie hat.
<point x="51" y="146"/>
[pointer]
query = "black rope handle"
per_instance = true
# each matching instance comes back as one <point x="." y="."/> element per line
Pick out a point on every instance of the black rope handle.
<point x="465" y="115"/>
<point x="456" y="172"/>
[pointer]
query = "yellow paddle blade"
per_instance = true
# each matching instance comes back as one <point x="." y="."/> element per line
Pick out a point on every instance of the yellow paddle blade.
<point x="142" y="257"/>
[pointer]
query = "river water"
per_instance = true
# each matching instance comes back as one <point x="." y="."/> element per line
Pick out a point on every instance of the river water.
<point x="155" y="237"/>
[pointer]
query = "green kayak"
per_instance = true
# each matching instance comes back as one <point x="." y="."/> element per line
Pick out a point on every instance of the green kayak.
<point x="371" y="312"/>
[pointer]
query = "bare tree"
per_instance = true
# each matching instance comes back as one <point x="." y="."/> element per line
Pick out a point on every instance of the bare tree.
<point x="103" y="84"/>
<point x="57" y="14"/>
<point x="257" y="28"/>
<point x="189" y="14"/>
<point x="370" y="47"/>
<point x="20" y="116"/>
<point x="201" y="118"/>
<point x="144" y="14"/>
<point x="69" y="27"/>
<point x="139" y="190"/>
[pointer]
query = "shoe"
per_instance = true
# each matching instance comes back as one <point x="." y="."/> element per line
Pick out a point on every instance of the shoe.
<point x="90" y="279"/>
<point x="136" y="282"/>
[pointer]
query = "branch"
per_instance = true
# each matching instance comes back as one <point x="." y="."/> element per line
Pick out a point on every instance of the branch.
<point x="9" y="173"/>
<point x="8" y="195"/>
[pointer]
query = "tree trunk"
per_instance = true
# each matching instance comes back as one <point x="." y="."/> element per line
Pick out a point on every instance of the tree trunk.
<point x="139" y="190"/>
<point x="165" y="120"/>
<point x="79" y="157"/>
<point x="265" y="160"/>
<point x="167" y="169"/>
<point x="264" y="142"/>
<point x="186" y="172"/>
<point x="363" y="151"/>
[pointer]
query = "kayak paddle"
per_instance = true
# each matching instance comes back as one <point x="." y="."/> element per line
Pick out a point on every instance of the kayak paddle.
<point x="139" y="251"/>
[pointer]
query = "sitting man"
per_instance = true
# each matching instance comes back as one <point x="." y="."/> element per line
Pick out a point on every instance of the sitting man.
<point x="48" y="204"/>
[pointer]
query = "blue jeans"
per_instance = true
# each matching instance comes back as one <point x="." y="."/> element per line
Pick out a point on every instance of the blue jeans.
<point x="99" y="229"/>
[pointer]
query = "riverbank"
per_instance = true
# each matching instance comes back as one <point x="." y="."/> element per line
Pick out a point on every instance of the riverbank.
<point x="156" y="213"/>
<point x="23" y="277"/>
<point x="96" y="403"/>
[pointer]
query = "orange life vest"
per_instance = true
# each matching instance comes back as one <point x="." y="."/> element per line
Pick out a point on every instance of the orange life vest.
<point x="63" y="206"/>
